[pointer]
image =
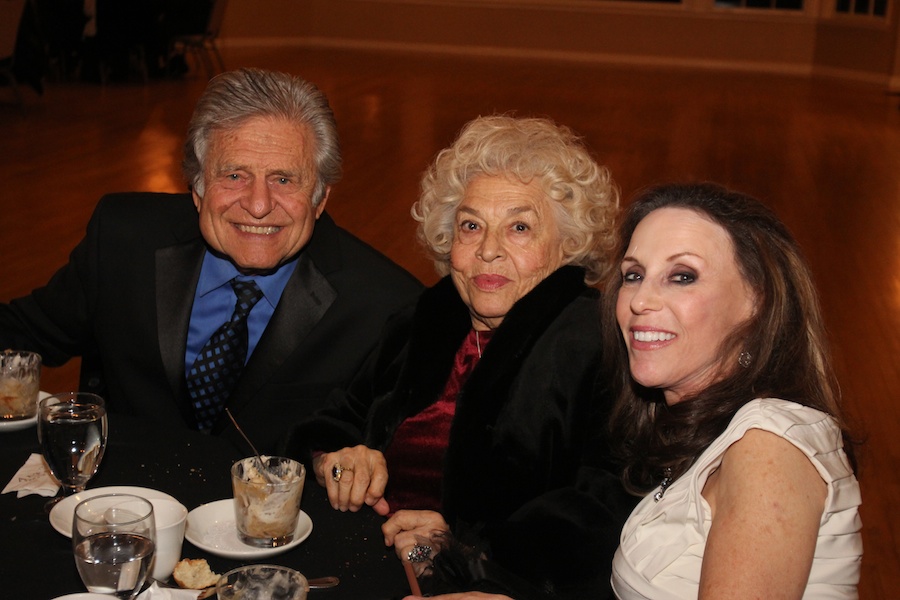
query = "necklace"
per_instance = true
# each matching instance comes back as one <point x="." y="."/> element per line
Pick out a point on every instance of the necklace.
<point x="664" y="484"/>
<point x="478" y="342"/>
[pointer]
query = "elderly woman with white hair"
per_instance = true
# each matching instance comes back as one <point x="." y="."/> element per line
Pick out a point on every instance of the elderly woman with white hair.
<point x="478" y="415"/>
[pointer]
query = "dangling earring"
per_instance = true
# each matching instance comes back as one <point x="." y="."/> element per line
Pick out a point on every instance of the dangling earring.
<point x="745" y="358"/>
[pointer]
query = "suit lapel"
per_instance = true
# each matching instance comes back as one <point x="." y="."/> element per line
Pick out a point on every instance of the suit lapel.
<point x="177" y="273"/>
<point x="305" y="300"/>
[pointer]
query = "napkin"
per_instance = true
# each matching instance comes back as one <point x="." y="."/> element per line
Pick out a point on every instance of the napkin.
<point x="156" y="592"/>
<point x="34" y="477"/>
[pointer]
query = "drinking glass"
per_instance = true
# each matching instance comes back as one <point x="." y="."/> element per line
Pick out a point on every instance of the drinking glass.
<point x="20" y="380"/>
<point x="267" y="495"/>
<point x="72" y="432"/>
<point x="114" y="541"/>
<point x="262" y="582"/>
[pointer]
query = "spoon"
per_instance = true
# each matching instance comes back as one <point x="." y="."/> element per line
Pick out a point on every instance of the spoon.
<point x="318" y="583"/>
<point x="261" y="466"/>
<point x="321" y="583"/>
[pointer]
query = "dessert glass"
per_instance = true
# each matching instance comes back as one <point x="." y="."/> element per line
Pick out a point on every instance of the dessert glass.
<point x="267" y="492"/>
<point x="20" y="380"/>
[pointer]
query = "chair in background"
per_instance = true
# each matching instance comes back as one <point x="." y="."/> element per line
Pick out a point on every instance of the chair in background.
<point x="123" y="40"/>
<point x="202" y="45"/>
<point x="58" y="29"/>
<point x="10" y="18"/>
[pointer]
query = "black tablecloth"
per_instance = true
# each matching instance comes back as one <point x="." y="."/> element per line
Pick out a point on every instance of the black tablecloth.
<point x="36" y="561"/>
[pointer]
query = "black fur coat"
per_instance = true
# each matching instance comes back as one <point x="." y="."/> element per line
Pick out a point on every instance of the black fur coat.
<point x="526" y="475"/>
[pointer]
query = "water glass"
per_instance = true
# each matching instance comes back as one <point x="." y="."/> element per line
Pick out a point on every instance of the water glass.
<point x="114" y="541"/>
<point x="72" y="431"/>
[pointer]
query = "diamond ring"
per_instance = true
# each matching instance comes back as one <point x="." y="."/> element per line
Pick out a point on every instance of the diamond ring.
<point x="419" y="553"/>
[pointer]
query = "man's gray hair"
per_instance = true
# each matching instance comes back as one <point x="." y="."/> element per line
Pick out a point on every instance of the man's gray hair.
<point x="235" y="96"/>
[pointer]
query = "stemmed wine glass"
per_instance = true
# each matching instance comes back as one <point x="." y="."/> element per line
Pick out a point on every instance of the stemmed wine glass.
<point x="114" y="542"/>
<point x="72" y="431"/>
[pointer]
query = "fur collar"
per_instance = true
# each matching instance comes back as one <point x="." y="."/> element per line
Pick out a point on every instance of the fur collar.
<point x="440" y="323"/>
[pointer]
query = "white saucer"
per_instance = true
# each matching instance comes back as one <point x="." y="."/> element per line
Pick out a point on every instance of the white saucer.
<point x="17" y="425"/>
<point x="84" y="596"/>
<point x="23" y="423"/>
<point x="63" y="512"/>
<point x="211" y="527"/>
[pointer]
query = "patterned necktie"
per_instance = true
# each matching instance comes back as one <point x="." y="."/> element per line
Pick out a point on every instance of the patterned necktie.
<point x="219" y="364"/>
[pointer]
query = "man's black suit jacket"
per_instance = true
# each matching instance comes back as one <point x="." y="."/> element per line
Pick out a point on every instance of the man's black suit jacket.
<point x="123" y="303"/>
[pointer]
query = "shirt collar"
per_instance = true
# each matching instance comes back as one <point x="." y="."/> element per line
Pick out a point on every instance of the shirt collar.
<point x="219" y="271"/>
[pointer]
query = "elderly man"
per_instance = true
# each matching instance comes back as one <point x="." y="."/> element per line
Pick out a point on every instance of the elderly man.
<point x="261" y="305"/>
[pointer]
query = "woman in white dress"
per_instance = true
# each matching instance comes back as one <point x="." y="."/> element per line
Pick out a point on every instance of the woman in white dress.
<point x="729" y="417"/>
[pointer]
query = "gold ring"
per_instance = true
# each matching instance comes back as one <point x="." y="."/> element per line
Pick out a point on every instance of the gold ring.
<point x="337" y="471"/>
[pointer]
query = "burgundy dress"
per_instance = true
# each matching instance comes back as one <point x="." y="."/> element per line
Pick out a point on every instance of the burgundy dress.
<point x="415" y="457"/>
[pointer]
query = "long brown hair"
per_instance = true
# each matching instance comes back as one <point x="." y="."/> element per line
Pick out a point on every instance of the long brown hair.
<point x="785" y="337"/>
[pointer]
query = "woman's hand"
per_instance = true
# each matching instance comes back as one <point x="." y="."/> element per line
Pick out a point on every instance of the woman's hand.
<point x="362" y="478"/>
<point x="406" y="528"/>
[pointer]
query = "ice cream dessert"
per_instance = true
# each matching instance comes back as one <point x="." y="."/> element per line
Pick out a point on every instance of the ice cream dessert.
<point x="267" y="493"/>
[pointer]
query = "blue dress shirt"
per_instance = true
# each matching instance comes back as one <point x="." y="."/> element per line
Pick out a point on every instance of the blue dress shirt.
<point x="214" y="303"/>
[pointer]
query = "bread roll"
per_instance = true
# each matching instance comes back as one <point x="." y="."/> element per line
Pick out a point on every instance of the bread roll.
<point x="194" y="574"/>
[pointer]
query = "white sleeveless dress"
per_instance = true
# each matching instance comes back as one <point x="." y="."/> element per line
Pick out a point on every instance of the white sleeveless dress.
<point x="662" y="543"/>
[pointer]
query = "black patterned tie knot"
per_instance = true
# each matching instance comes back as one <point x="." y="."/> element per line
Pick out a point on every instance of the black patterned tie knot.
<point x="218" y="365"/>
